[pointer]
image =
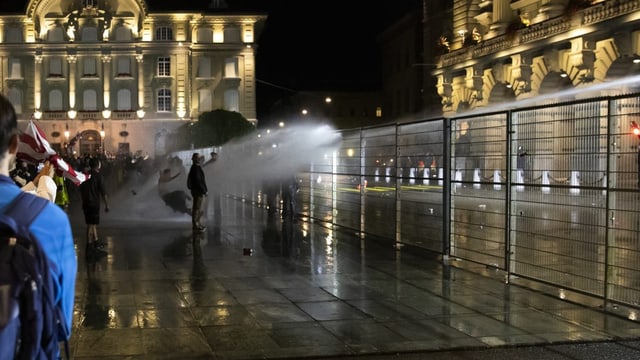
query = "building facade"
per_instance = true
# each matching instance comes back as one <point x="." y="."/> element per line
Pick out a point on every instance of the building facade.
<point x="114" y="76"/>
<point x="504" y="50"/>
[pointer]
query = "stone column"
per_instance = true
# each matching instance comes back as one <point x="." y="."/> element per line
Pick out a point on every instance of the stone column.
<point x="502" y="16"/>
<point x="37" y="82"/>
<point x="106" y="80"/>
<point x="140" y="59"/>
<point x="71" y="60"/>
<point x="550" y="9"/>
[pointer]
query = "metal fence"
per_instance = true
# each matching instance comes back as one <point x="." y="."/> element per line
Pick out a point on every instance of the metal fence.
<point x="548" y="195"/>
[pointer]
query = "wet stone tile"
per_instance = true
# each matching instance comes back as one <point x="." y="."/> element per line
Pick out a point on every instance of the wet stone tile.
<point x="223" y="316"/>
<point x="181" y="342"/>
<point x="165" y="317"/>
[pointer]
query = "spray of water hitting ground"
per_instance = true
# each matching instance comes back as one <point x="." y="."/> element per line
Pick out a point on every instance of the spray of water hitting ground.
<point x="243" y="164"/>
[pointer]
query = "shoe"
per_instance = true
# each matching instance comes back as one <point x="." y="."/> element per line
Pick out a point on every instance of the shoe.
<point x="94" y="251"/>
<point x="100" y="244"/>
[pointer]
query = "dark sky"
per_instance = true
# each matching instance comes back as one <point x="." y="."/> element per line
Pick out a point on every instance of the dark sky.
<point x="307" y="44"/>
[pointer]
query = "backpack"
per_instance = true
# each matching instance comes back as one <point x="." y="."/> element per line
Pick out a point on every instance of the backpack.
<point x="30" y="322"/>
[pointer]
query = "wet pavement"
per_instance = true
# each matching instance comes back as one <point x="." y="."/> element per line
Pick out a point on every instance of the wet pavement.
<point x="257" y="287"/>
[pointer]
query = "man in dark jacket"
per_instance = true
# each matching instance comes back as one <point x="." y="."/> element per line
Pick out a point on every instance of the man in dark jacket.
<point x="197" y="184"/>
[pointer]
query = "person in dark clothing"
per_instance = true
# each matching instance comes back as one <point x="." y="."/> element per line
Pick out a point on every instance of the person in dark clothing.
<point x="196" y="182"/>
<point x="92" y="191"/>
<point x="289" y="190"/>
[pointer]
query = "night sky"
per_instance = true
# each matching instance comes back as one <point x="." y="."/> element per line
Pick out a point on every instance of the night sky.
<point x="306" y="44"/>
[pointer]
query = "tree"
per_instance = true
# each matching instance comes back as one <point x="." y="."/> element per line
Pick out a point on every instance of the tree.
<point x="215" y="128"/>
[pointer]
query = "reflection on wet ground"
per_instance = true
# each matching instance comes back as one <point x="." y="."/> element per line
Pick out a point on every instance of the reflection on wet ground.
<point x="255" y="287"/>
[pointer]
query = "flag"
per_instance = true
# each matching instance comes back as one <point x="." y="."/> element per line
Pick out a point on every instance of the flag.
<point x="34" y="148"/>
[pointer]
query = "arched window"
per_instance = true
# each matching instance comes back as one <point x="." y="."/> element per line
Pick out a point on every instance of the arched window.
<point x="89" y="100"/>
<point x="164" y="100"/>
<point x="124" y="100"/>
<point x="55" y="100"/>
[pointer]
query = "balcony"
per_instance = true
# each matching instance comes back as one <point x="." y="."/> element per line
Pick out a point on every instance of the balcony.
<point x="123" y="115"/>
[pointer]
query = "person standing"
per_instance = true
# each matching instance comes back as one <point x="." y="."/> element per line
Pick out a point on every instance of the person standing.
<point x="197" y="183"/>
<point x="62" y="196"/>
<point x="92" y="191"/>
<point x="51" y="227"/>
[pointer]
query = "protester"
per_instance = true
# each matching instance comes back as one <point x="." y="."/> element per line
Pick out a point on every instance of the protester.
<point x="92" y="191"/>
<point x="51" y="227"/>
<point x="62" y="195"/>
<point x="196" y="182"/>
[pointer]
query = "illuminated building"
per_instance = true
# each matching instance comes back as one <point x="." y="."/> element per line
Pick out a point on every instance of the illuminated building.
<point x="79" y="67"/>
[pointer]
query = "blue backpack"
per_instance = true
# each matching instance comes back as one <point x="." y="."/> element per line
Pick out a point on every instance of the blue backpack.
<point x="31" y="325"/>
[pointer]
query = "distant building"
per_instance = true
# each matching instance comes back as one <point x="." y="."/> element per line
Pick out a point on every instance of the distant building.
<point x="340" y="109"/>
<point x="123" y="76"/>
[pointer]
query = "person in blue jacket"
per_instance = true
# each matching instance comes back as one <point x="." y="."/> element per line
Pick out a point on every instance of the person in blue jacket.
<point x="51" y="227"/>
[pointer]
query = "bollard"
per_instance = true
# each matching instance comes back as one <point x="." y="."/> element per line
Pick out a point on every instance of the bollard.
<point x="476" y="178"/>
<point x="574" y="183"/>
<point x="520" y="180"/>
<point x="545" y="181"/>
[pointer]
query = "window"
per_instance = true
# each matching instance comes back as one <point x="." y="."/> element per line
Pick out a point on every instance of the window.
<point x="124" y="66"/>
<point x="13" y="35"/>
<point x="204" y="67"/>
<point x="89" y="34"/>
<point x="55" y="100"/>
<point x="124" y="100"/>
<point x="205" y="36"/>
<point x="164" y="66"/>
<point x="89" y="67"/>
<point x="231" y="100"/>
<point x="231" y="67"/>
<point x="89" y="100"/>
<point x="232" y="34"/>
<point x="15" y="97"/>
<point x="123" y="33"/>
<point x="164" y="100"/>
<point x="204" y="100"/>
<point x="15" y="72"/>
<point x="55" y="35"/>
<point x="164" y="33"/>
<point x="55" y="67"/>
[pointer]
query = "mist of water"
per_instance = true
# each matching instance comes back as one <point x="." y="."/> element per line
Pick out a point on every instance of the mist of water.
<point x="249" y="161"/>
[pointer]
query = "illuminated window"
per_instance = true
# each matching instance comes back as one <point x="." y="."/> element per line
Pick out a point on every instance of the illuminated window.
<point x="164" y="66"/>
<point x="15" y="71"/>
<point x="379" y="112"/>
<point x="231" y="67"/>
<point x="164" y="100"/>
<point x="231" y="100"/>
<point x="164" y="33"/>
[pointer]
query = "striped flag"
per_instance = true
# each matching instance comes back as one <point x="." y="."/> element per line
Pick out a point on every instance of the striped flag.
<point x="34" y="148"/>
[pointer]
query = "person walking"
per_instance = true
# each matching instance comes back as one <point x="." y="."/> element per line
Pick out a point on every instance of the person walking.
<point x="92" y="191"/>
<point x="197" y="183"/>
<point x="51" y="227"/>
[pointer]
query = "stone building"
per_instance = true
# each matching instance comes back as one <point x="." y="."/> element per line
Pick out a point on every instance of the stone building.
<point x="504" y="50"/>
<point x="115" y="76"/>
